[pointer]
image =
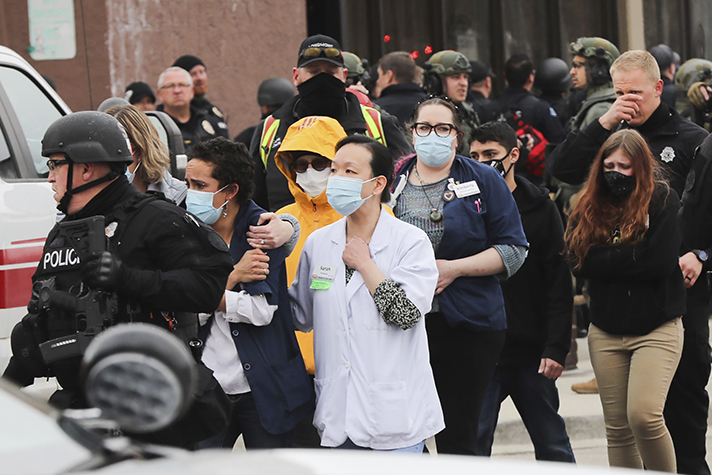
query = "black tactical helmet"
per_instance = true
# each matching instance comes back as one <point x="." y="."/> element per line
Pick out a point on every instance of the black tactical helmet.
<point x="88" y="137"/>
<point x="274" y="92"/>
<point x="553" y="75"/>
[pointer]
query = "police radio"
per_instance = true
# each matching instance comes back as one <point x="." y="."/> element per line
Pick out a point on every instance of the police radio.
<point x="92" y="310"/>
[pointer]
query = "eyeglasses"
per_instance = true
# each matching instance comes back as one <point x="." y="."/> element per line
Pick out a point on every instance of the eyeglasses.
<point x="576" y="65"/>
<point x="179" y="85"/>
<point x="316" y="52"/>
<point x="53" y="164"/>
<point x="318" y="164"/>
<point x="423" y="129"/>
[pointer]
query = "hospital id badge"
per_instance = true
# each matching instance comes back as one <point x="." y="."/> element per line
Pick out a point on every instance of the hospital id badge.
<point x="323" y="277"/>
<point x="463" y="190"/>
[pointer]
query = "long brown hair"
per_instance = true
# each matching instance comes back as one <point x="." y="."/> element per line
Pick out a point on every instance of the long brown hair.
<point x="598" y="212"/>
<point x="147" y="145"/>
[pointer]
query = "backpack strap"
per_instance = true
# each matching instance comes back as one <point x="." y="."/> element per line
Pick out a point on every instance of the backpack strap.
<point x="269" y="132"/>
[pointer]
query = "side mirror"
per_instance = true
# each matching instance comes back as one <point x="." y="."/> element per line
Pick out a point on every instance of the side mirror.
<point x="140" y="376"/>
<point x="170" y="135"/>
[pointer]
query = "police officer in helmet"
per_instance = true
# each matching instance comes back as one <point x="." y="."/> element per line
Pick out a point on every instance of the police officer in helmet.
<point x="447" y="73"/>
<point x="554" y="81"/>
<point x="158" y="262"/>
<point x="271" y="95"/>
<point x="592" y="60"/>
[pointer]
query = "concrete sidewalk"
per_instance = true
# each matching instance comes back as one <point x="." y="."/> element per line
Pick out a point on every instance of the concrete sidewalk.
<point x="582" y="413"/>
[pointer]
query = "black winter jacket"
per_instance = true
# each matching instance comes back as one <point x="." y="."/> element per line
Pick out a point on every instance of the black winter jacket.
<point x="671" y="138"/>
<point x="271" y="186"/>
<point x="400" y="100"/>
<point x="539" y="297"/>
<point x="635" y="288"/>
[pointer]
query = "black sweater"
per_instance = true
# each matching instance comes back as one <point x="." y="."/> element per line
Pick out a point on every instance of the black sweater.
<point x="538" y="298"/>
<point x="635" y="288"/>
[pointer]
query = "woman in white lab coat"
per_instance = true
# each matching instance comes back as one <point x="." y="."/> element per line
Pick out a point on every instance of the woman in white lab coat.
<point x="363" y="285"/>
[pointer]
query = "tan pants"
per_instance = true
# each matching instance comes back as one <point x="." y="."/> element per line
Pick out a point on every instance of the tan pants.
<point x="634" y="375"/>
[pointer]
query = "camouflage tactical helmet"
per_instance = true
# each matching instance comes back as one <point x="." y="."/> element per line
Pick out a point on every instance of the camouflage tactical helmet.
<point x="447" y="63"/>
<point x="595" y="47"/>
<point x="692" y="71"/>
<point x="354" y="64"/>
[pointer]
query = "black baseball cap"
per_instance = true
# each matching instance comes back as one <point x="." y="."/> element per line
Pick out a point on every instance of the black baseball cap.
<point x="320" y="48"/>
<point x="137" y="91"/>
<point x="480" y="71"/>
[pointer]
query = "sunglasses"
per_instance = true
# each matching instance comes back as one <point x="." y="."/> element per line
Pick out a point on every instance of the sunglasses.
<point x="316" y="52"/>
<point x="318" y="164"/>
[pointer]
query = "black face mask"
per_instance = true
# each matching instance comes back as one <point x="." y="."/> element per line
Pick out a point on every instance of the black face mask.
<point x="618" y="183"/>
<point x="498" y="164"/>
<point x="322" y="95"/>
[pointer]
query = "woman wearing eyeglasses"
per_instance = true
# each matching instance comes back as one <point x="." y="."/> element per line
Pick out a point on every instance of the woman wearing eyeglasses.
<point x="468" y="212"/>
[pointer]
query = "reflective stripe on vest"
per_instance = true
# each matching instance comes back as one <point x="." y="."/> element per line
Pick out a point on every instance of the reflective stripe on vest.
<point x="374" y="129"/>
<point x="374" y="126"/>
<point x="269" y="131"/>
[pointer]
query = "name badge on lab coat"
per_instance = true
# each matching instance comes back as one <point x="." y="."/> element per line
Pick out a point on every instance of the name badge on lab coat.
<point x="323" y="276"/>
<point x="463" y="190"/>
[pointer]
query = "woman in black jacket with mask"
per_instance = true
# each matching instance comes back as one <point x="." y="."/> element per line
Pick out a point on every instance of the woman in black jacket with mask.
<point x="623" y="238"/>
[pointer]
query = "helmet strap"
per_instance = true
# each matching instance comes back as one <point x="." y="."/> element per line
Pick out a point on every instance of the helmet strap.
<point x="63" y="204"/>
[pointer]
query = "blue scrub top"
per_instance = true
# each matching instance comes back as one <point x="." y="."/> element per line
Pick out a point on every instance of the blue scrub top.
<point x="473" y="224"/>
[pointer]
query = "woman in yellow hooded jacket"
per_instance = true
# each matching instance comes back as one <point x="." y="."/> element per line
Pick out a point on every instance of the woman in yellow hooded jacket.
<point x="305" y="159"/>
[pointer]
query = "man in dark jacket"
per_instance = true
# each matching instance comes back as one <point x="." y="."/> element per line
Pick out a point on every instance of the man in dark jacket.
<point x="539" y="303"/>
<point x="519" y="72"/>
<point x="672" y="140"/>
<point x="199" y="73"/>
<point x="480" y="86"/>
<point x="663" y="54"/>
<point x="175" y="90"/>
<point x="320" y="80"/>
<point x="159" y="264"/>
<point x="399" y="93"/>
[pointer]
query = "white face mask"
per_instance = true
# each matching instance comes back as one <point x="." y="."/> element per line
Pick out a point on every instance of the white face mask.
<point x="313" y="182"/>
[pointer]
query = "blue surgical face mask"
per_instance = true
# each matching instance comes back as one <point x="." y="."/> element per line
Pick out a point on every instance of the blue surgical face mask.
<point x="131" y="175"/>
<point x="200" y="203"/>
<point x="344" y="194"/>
<point x="434" y="151"/>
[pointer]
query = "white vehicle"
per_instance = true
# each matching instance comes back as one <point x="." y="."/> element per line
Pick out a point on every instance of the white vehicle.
<point x="28" y="105"/>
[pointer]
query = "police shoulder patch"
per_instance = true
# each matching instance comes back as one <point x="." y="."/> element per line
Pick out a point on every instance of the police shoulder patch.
<point x="218" y="112"/>
<point x="207" y="127"/>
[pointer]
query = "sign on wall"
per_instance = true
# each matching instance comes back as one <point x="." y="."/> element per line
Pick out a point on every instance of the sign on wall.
<point x="52" y="31"/>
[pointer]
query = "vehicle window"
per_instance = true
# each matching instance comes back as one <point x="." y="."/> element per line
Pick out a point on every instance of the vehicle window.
<point x="7" y="165"/>
<point x="34" y="110"/>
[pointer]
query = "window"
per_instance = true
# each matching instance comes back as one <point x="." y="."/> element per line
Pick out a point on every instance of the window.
<point x="34" y="110"/>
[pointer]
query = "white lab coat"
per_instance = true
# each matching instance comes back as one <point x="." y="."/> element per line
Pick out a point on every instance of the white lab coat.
<point x="374" y="383"/>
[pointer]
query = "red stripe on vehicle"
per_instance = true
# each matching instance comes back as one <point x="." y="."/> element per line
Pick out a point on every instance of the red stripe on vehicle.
<point x="28" y="241"/>
<point x="15" y="287"/>
<point x="21" y="255"/>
